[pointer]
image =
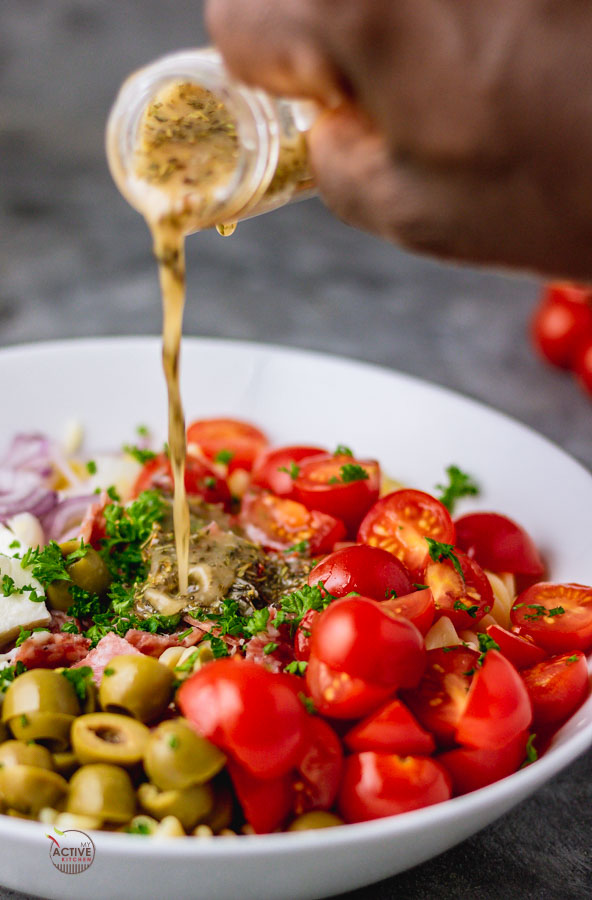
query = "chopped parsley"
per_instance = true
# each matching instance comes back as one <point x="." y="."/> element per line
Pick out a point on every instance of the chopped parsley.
<point x="127" y="528"/>
<point x="531" y="751"/>
<point x="307" y="703"/>
<point x="70" y="628"/>
<point x="348" y="473"/>
<point x="296" y="667"/>
<point x="540" y="611"/>
<point x="46" y="564"/>
<point x="113" y="495"/>
<point x="219" y="648"/>
<point x="24" y="634"/>
<point x="188" y="664"/>
<point x="139" y="828"/>
<point x="293" y="471"/>
<point x="270" y="647"/>
<point x="295" y="606"/>
<point x="300" y="547"/>
<point x="419" y="587"/>
<point x="486" y="643"/>
<point x="142" y="431"/>
<point x="9" y="587"/>
<point x="440" y="551"/>
<point x="140" y="455"/>
<point x="572" y="659"/>
<point x="342" y="450"/>
<point x="210" y="482"/>
<point x="80" y="679"/>
<point x="14" y="545"/>
<point x="174" y="741"/>
<point x="464" y="607"/>
<point x="459" y="485"/>
<point x="224" y="456"/>
<point x="184" y="634"/>
<point x="91" y="467"/>
<point x="9" y="673"/>
<point x="390" y="595"/>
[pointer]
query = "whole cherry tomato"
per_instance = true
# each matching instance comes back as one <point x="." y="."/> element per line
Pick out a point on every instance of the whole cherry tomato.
<point x="499" y="544"/>
<point x="562" y="320"/>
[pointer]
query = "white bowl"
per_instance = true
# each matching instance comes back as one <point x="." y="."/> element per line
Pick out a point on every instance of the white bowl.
<point x="415" y="430"/>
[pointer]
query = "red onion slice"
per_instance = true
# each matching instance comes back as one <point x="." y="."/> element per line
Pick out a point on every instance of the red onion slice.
<point x="24" y="491"/>
<point x="31" y="452"/>
<point x="63" y="520"/>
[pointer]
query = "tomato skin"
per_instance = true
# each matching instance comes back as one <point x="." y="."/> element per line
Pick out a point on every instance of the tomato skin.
<point x="582" y="362"/>
<point x="557" y="687"/>
<point x="517" y="649"/>
<point x="354" y="635"/>
<point x="266" y="469"/>
<point x="418" y="607"/>
<point x="278" y="523"/>
<point x="339" y="695"/>
<point x="242" y="439"/>
<point x="450" y="591"/>
<point x="498" y="706"/>
<point x="498" y="543"/>
<point x="248" y="712"/>
<point x="391" y="729"/>
<point x="366" y="570"/>
<point x="379" y="784"/>
<point x="561" y="321"/>
<point x="348" y="501"/>
<point x="319" y="769"/>
<point x="266" y="803"/>
<point x="441" y="696"/>
<point x="401" y="521"/>
<point x="201" y="479"/>
<point x="304" y="634"/>
<point x="472" y="768"/>
<point x="570" y="630"/>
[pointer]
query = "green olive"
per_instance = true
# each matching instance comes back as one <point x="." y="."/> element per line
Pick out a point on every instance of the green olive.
<point x="17" y="753"/>
<point x="317" y="819"/>
<point x="222" y="812"/>
<point x="108" y="738"/>
<point x="89" y="572"/>
<point x="177" y="757"/>
<point x="103" y="791"/>
<point x="40" y="705"/>
<point x="136" y="685"/>
<point x="189" y="806"/>
<point x="65" y="762"/>
<point x="28" y="789"/>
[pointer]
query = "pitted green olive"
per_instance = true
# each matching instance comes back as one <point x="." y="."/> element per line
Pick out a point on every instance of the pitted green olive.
<point x="40" y="705"/>
<point x="189" y="806"/>
<point x="28" y="789"/>
<point x="17" y="753"/>
<point x="89" y="572"/>
<point x="65" y="762"/>
<point x="316" y="819"/>
<point x="136" y="685"/>
<point x="176" y="757"/>
<point x="103" y="791"/>
<point x="109" y="738"/>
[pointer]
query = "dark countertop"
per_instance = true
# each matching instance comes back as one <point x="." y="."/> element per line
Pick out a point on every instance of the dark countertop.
<point x="74" y="260"/>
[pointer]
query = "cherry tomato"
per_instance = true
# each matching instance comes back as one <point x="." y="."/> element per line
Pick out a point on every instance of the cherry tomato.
<point x="279" y="523"/>
<point x="441" y="696"/>
<point x="556" y="616"/>
<point x="339" y="695"/>
<point x="366" y="570"/>
<point x="201" y="479"/>
<point x="248" y="712"/>
<point x="319" y="770"/>
<point x="519" y="650"/>
<point x="471" y="768"/>
<point x="304" y="634"/>
<point x="266" y="803"/>
<point x="556" y="687"/>
<point x="582" y="362"/>
<point x="235" y="443"/>
<point x="400" y="523"/>
<point x="418" y="607"/>
<point x="561" y="321"/>
<point x="391" y="729"/>
<point x="354" y="635"/>
<point x="332" y="484"/>
<point x="498" y="707"/>
<point x="380" y="784"/>
<point x="465" y="600"/>
<point x="269" y="468"/>
<point x="498" y="543"/>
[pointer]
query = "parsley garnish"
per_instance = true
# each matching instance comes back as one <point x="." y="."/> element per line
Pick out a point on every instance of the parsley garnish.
<point x="14" y="544"/>
<point x="295" y="606"/>
<point x="390" y="595"/>
<point x="127" y="529"/>
<point x="112" y="494"/>
<point x="91" y="467"/>
<point x="419" y="587"/>
<point x="300" y="547"/>
<point x="138" y="828"/>
<point x="184" y="634"/>
<point x="307" y="703"/>
<point x="471" y="610"/>
<point x="46" y="565"/>
<point x="24" y="634"/>
<point x="270" y="647"/>
<point x="531" y="751"/>
<point x="219" y="648"/>
<point x="141" y="456"/>
<point x="296" y="667"/>
<point x="486" y="643"/>
<point x="459" y="485"/>
<point x="293" y="471"/>
<point x="210" y="482"/>
<point x="439" y="551"/>
<point x="571" y="659"/>
<point x="174" y="741"/>
<point x="80" y="680"/>
<point x="189" y="663"/>
<point x="142" y="431"/>
<point x="9" y="673"/>
<point x="224" y="456"/>
<point x="342" y="450"/>
<point x="540" y="611"/>
<point x="70" y="628"/>
<point x="352" y="472"/>
<point x="9" y="587"/>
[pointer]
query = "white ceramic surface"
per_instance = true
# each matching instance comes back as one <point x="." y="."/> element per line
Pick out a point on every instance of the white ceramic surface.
<point x="416" y="430"/>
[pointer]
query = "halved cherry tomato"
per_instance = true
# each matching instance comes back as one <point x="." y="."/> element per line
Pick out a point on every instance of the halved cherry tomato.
<point x="418" y="607"/>
<point x="354" y="635"/>
<point x="278" y="523"/>
<point x="304" y="634"/>
<point x="498" y="543"/>
<point x="471" y="768"/>
<point x="250" y="713"/>
<point x="228" y="440"/>
<point x="201" y="479"/>
<point x="464" y="600"/>
<point x="340" y="486"/>
<point x="266" y="803"/>
<point x="391" y="729"/>
<point x="269" y="470"/>
<point x="560" y="322"/>
<point x="498" y="707"/>
<point x="366" y="570"/>
<point x="556" y="687"/>
<point x="441" y="696"/>
<point x="519" y="650"/>
<point x="400" y="523"/>
<point x="319" y="770"/>
<point x="380" y="784"/>
<point x="339" y="695"/>
<point x="556" y="616"/>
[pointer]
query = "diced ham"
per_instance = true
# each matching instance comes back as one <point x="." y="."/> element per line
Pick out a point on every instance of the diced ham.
<point x="277" y="659"/>
<point x="98" y="659"/>
<point x="49" y="651"/>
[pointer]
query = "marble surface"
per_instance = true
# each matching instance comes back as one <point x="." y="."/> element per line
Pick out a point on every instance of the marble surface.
<point x="75" y="260"/>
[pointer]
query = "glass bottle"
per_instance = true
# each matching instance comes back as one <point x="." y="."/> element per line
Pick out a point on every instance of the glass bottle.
<point x="269" y="163"/>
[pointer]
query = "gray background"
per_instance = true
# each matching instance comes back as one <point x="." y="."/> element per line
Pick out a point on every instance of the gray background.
<point x="75" y="260"/>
